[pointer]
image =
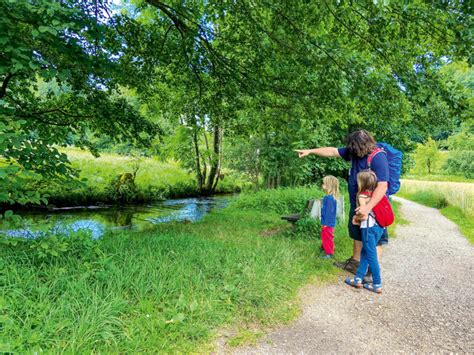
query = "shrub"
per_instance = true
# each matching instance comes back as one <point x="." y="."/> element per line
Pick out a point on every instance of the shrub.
<point x="279" y="201"/>
<point x="123" y="188"/>
<point x="461" y="162"/>
<point x="306" y="228"/>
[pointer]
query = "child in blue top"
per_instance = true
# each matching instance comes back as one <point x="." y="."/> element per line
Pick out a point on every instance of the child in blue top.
<point x="328" y="214"/>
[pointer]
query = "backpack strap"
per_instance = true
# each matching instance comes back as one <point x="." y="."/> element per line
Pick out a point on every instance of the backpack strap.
<point x="373" y="154"/>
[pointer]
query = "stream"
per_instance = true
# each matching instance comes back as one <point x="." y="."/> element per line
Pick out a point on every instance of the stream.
<point x="97" y="220"/>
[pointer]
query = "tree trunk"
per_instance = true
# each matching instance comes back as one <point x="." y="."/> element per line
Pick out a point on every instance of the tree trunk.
<point x="216" y="157"/>
<point x="199" y="176"/>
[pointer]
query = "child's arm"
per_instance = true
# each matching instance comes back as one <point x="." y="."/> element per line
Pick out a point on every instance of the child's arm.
<point x="355" y="220"/>
<point x="363" y="200"/>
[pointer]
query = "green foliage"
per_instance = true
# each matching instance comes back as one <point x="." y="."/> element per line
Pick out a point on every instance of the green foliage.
<point x="243" y="155"/>
<point x="123" y="188"/>
<point x="166" y="290"/>
<point x="428" y="198"/>
<point x="441" y="177"/>
<point x="306" y="227"/>
<point x="280" y="201"/>
<point x="52" y="248"/>
<point x="154" y="180"/>
<point x="464" y="222"/>
<point x="290" y="76"/>
<point x="58" y="79"/>
<point x="426" y="157"/>
<point x="461" y="163"/>
<point x="299" y="75"/>
<point x="461" y="146"/>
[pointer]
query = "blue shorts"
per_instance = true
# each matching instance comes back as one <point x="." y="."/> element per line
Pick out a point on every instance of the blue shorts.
<point x="354" y="231"/>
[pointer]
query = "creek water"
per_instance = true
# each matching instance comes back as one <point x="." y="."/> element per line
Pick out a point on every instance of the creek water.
<point x="97" y="220"/>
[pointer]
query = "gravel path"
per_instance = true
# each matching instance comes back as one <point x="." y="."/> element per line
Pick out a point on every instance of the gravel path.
<point x="427" y="304"/>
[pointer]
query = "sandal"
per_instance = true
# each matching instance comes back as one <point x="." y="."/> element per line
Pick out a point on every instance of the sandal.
<point x="355" y="282"/>
<point x="373" y="288"/>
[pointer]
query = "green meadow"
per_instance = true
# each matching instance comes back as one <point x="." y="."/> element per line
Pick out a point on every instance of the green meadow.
<point x="168" y="289"/>
<point x="155" y="180"/>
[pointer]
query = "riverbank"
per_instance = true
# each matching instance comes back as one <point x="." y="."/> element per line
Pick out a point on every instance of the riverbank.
<point x="168" y="289"/>
<point x="106" y="180"/>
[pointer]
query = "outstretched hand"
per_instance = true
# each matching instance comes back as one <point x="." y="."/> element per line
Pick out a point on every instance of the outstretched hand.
<point x="302" y="152"/>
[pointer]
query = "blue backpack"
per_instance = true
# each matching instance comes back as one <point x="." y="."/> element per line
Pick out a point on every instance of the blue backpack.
<point x="394" y="158"/>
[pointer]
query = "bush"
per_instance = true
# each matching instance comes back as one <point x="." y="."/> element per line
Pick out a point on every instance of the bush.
<point x="279" y="201"/>
<point x="306" y="228"/>
<point x="123" y="188"/>
<point x="461" y="162"/>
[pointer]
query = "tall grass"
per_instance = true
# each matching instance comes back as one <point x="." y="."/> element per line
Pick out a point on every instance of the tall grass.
<point x="456" y="194"/>
<point x="455" y="201"/>
<point x="439" y="177"/>
<point x="165" y="290"/>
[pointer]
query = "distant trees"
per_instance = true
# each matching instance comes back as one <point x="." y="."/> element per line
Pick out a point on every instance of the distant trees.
<point x="426" y="157"/>
<point x="461" y="151"/>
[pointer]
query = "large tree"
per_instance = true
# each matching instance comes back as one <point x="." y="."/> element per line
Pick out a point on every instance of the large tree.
<point x="59" y="76"/>
<point x="286" y="73"/>
<point x="298" y="73"/>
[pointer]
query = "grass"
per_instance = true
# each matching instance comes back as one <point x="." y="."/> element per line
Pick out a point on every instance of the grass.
<point x="399" y="220"/>
<point x="454" y="200"/>
<point x="466" y="225"/>
<point x="441" y="194"/>
<point x="165" y="290"/>
<point x="438" y="177"/>
<point x="155" y="180"/>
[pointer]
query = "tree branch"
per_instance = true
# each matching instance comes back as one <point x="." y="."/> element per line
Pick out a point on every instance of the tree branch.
<point x="312" y="42"/>
<point x="3" y="89"/>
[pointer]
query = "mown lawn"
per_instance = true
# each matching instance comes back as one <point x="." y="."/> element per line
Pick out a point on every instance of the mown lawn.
<point x="169" y="289"/>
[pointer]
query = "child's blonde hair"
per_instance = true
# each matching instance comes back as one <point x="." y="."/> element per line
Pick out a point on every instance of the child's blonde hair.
<point x="366" y="181"/>
<point x="332" y="185"/>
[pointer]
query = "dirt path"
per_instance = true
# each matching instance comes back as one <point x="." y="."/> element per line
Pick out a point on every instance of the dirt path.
<point x="427" y="304"/>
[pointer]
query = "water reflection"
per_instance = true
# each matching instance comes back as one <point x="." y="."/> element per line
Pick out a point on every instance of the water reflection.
<point x="97" y="221"/>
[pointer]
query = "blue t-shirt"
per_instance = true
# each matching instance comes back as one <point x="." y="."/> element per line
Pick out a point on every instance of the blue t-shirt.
<point x="328" y="211"/>
<point x="379" y="166"/>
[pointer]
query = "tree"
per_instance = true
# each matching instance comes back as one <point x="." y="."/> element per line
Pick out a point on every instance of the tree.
<point x="58" y="77"/>
<point x="461" y="151"/>
<point x="283" y="69"/>
<point x="426" y="157"/>
<point x="289" y="74"/>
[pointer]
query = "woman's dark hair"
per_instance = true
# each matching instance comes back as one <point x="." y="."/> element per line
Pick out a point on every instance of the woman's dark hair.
<point x="360" y="143"/>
